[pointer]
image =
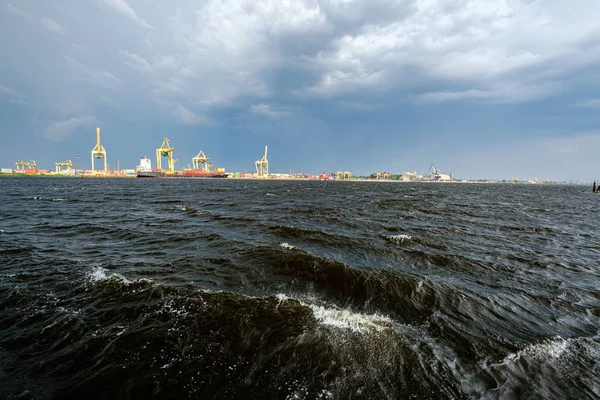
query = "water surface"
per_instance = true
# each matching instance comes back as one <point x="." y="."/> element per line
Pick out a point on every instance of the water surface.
<point x="180" y="289"/>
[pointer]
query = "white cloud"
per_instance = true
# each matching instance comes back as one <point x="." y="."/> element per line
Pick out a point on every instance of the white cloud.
<point x="592" y="103"/>
<point x="121" y="7"/>
<point x="227" y="50"/>
<point x="188" y="117"/>
<point x="136" y="61"/>
<point x="59" y="131"/>
<point x="109" y="102"/>
<point x="9" y="95"/>
<point x="53" y="26"/>
<point x="19" y="12"/>
<point x="340" y="82"/>
<point x="469" y="42"/>
<point x="7" y="91"/>
<point x="266" y="110"/>
<point x="509" y="93"/>
<point x="165" y="62"/>
<point x="97" y="77"/>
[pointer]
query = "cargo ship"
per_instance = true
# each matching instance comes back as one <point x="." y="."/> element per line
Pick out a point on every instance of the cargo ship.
<point x="144" y="170"/>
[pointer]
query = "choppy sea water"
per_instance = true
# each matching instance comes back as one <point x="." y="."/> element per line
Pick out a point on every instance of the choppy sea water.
<point x="267" y="289"/>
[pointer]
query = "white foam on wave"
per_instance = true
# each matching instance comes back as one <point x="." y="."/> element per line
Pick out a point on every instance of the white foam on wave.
<point x="551" y="348"/>
<point x="345" y="319"/>
<point x="399" y="239"/>
<point x="59" y="199"/>
<point x="287" y="246"/>
<point x="99" y="274"/>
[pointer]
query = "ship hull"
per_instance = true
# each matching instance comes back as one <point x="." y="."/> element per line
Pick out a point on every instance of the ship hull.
<point x="197" y="176"/>
<point x="187" y="176"/>
<point x="149" y="175"/>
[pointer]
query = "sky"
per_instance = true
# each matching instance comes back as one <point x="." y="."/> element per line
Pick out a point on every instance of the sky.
<point x="482" y="89"/>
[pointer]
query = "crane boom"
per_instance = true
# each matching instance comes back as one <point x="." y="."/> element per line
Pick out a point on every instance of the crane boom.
<point x="98" y="145"/>
<point x="262" y="166"/>
<point x="99" y="152"/>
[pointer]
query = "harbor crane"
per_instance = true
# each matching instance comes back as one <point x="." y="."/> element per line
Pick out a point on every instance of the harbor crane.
<point x="165" y="150"/>
<point x="262" y="166"/>
<point x="201" y="162"/>
<point x="99" y="152"/>
<point x="63" y="166"/>
<point x="26" y="164"/>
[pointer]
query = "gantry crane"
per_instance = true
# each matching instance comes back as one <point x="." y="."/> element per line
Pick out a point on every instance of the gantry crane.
<point x="59" y="166"/>
<point x="262" y="166"/>
<point x="26" y="164"/>
<point x="201" y="159"/>
<point x="165" y="150"/>
<point x="99" y="152"/>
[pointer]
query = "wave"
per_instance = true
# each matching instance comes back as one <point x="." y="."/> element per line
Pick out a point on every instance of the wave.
<point x="410" y="298"/>
<point x="99" y="274"/>
<point x="343" y="318"/>
<point x="399" y="239"/>
<point x="550" y="348"/>
<point x="561" y="368"/>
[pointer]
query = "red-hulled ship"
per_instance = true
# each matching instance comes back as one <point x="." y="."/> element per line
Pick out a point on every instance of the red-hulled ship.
<point x="144" y="170"/>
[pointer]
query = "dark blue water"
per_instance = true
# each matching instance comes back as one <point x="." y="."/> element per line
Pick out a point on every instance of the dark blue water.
<point x="268" y="289"/>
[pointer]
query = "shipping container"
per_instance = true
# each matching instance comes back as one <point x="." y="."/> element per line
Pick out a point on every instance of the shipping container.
<point x="31" y="171"/>
<point x="6" y="170"/>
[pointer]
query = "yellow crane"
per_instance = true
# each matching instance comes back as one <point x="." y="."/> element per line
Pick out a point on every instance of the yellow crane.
<point x="165" y="150"/>
<point x="99" y="152"/>
<point x="201" y="162"/>
<point x="262" y="166"/>
<point x="26" y="164"/>
<point x="63" y="166"/>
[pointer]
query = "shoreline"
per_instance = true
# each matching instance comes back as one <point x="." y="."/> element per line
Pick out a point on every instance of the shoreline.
<point x="466" y="181"/>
